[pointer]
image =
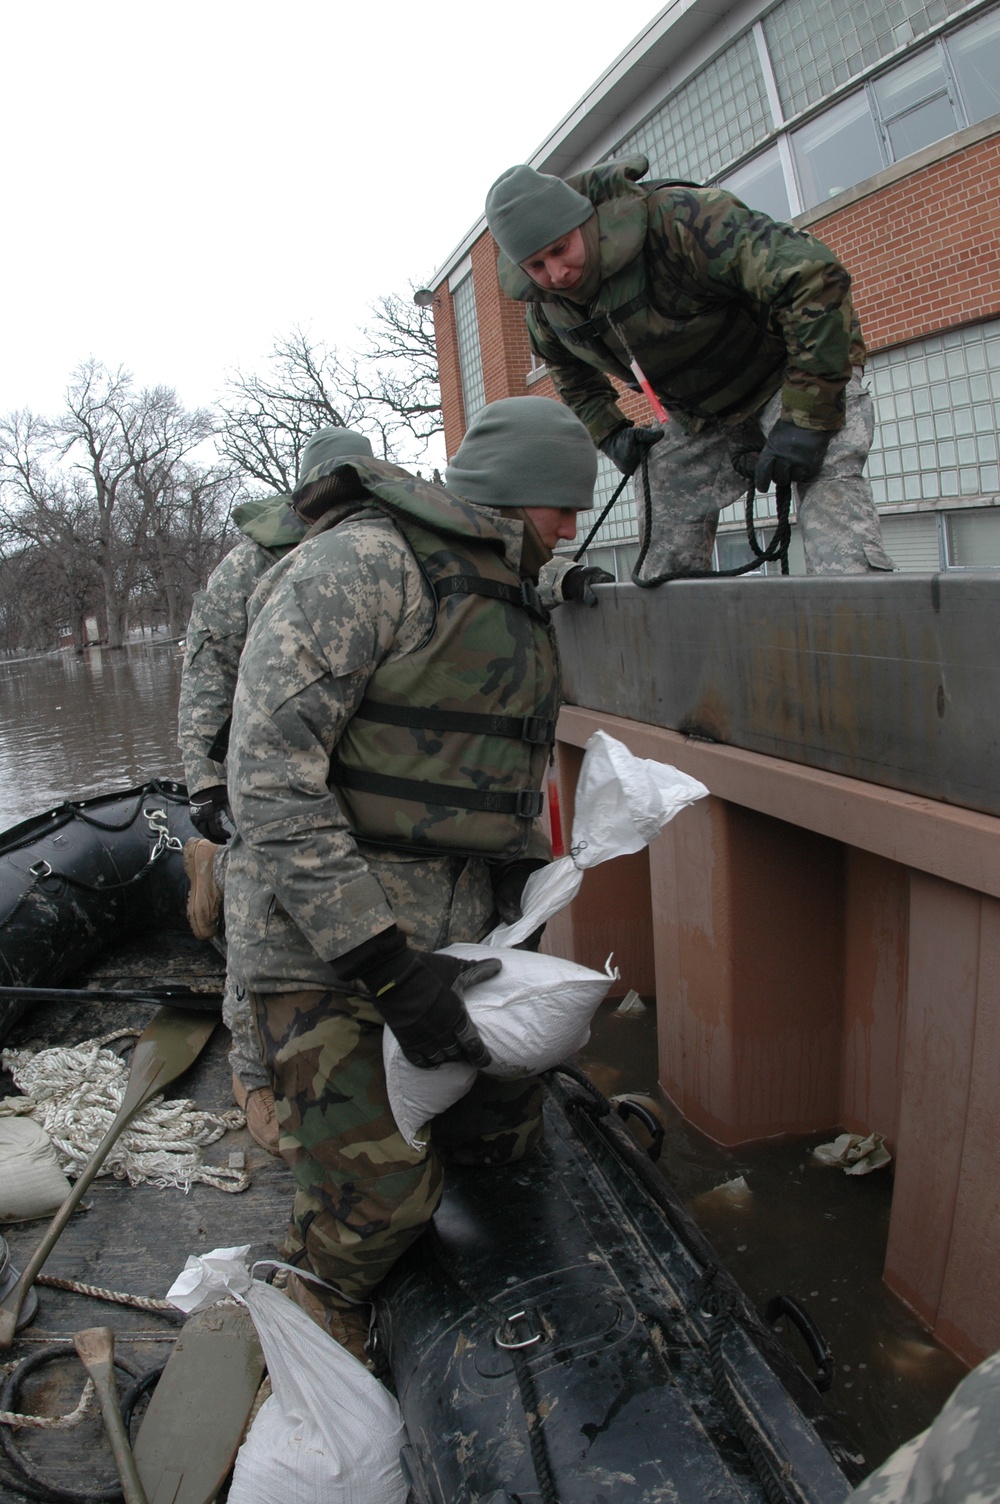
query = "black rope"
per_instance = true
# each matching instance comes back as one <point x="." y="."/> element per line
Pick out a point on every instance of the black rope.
<point x="777" y="549"/>
<point x="597" y="525"/>
<point x="29" y="1481"/>
<point x="721" y="1308"/>
<point x="525" y="1378"/>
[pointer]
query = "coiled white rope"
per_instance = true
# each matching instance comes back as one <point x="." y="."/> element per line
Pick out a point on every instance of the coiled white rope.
<point x="75" y="1093"/>
<point x="48" y="1422"/>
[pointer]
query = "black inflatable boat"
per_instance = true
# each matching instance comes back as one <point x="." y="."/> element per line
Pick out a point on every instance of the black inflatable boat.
<point x="562" y="1335"/>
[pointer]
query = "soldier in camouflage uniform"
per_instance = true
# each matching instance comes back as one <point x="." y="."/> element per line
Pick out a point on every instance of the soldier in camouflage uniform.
<point x="392" y="724"/>
<point x="743" y="327"/>
<point x="955" y="1461"/>
<point x="215" y="636"/>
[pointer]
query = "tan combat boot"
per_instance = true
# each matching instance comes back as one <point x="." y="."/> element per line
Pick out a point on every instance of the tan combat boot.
<point x="204" y="902"/>
<point x="262" y="1121"/>
<point x="347" y="1326"/>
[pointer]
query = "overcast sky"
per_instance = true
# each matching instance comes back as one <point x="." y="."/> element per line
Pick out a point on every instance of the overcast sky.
<point x="184" y="182"/>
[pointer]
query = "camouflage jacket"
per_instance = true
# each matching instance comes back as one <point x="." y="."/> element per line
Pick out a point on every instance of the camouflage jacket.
<point x="956" y="1460"/>
<point x="217" y="631"/>
<point x="300" y="889"/>
<point x="719" y="305"/>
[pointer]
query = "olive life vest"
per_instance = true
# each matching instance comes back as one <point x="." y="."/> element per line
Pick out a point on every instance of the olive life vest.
<point x="704" y="355"/>
<point x="448" y="749"/>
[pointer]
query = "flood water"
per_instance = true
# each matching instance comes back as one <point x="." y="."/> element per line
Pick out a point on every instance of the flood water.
<point x="73" y="727"/>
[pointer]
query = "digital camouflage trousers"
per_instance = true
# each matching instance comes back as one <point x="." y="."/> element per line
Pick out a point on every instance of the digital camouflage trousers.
<point x="362" y="1194"/>
<point x="691" y="477"/>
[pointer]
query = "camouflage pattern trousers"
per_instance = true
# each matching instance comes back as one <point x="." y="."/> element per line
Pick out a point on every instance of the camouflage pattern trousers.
<point x="362" y="1193"/>
<point x="691" y="477"/>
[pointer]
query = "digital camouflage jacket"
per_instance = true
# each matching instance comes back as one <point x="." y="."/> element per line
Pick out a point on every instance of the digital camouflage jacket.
<point x="720" y="306"/>
<point x="217" y="631"/>
<point x="352" y="603"/>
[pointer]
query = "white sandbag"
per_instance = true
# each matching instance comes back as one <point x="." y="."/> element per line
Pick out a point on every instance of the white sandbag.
<point x="534" y="1013"/>
<point x="329" y="1433"/>
<point x="622" y="803"/>
<point x="32" y="1183"/>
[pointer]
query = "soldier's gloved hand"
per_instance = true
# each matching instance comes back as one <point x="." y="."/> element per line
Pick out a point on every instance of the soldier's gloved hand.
<point x="507" y="880"/>
<point x="419" y="994"/>
<point x="626" y="445"/>
<point x="207" y="809"/>
<point x="578" y="584"/>
<point x="790" y="453"/>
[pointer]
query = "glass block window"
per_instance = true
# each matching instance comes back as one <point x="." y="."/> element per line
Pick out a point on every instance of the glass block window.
<point x="816" y="47"/>
<point x="937" y="407"/>
<point x="620" y="525"/>
<point x="469" y="357"/>
<point x="717" y="116"/>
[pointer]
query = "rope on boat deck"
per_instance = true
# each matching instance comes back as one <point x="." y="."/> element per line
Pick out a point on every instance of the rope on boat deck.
<point x="47" y="1422"/>
<point x="116" y="1297"/>
<point x="75" y="1093"/>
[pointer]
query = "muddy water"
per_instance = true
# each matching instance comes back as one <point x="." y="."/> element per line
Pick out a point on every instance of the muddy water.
<point x="795" y="1228"/>
<point x="73" y="727"/>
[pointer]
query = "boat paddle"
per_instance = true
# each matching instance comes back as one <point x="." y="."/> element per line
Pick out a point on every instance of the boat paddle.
<point x="96" y="1347"/>
<point x="170" y="1043"/>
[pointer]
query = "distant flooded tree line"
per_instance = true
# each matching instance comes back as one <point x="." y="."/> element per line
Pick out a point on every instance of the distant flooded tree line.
<point x="117" y="508"/>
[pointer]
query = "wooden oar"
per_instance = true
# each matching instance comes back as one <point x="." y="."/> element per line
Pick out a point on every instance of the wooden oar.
<point x="170" y="1043"/>
<point x="96" y="1347"/>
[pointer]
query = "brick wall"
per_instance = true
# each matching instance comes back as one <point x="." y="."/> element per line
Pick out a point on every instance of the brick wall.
<point x="924" y="254"/>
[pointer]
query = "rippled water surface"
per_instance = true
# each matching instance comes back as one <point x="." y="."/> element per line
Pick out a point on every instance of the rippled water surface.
<point x="71" y="726"/>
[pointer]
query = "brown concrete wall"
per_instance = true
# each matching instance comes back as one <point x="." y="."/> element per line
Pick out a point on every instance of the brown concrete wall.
<point x="825" y="955"/>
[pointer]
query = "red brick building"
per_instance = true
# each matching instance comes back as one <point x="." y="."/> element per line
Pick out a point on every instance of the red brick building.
<point x="875" y="126"/>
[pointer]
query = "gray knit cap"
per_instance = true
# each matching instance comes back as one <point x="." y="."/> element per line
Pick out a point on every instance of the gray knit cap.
<point x="527" y="210"/>
<point x="332" y="444"/>
<point x="525" y="452"/>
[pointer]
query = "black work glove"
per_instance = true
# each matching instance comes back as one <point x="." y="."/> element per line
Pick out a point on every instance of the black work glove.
<point x="626" y="445"/>
<point x="508" y="880"/>
<point x="419" y="994"/>
<point x="790" y="453"/>
<point x="207" y="808"/>
<point x="578" y="584"/>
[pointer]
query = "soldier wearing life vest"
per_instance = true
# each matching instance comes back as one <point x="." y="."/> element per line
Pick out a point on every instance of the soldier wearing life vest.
<point x="743" y="328"/>
<point x="214" y="641"/>
<point x="392" y="723"/>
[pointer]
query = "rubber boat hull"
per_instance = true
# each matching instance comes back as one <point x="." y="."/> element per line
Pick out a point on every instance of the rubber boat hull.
<point x="648" y="1375"/>
<point x="84" y="874"/>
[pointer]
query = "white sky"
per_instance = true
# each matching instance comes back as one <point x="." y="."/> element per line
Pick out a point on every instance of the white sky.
<point x="184" y="182"/>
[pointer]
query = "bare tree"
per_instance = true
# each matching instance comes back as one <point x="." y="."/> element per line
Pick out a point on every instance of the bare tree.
<point x="394" y="377"/>
<point x="267" y="419"/>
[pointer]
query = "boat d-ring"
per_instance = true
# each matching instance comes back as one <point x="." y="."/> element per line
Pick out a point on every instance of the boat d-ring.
<point x="159" y="827"/>
<point x="40" y="868"/>
<point x="507" y="1325"/>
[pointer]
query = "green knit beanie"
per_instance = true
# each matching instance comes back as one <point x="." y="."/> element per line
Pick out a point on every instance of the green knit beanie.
<point x="527" y="210"/>
<point x="525" y="452"/>
<point x="332" y="444"/>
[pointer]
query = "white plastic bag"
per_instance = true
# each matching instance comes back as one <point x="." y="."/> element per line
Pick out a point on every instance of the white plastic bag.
<point x="622" y="802"/>
<point x="535" y="1012"/>
<point x="329" y="1433"/>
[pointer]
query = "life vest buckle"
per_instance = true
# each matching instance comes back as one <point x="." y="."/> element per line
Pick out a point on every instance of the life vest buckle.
<point x="528" y="804"/>
<point x="538" y="731"/>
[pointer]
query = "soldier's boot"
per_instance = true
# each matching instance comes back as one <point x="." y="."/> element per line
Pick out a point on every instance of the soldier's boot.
<point x="262" y="1121"/>
<point x="346" y="1325"/>
<point x="204" y="903"/>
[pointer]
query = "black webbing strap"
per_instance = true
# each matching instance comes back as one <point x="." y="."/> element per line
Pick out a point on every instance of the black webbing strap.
<point x="219" y="750"/>
<point x="534" y="729"/>
<point x="524" y="595"/>
<point x="595" y="329"/>
<point x="526" y="803"/>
